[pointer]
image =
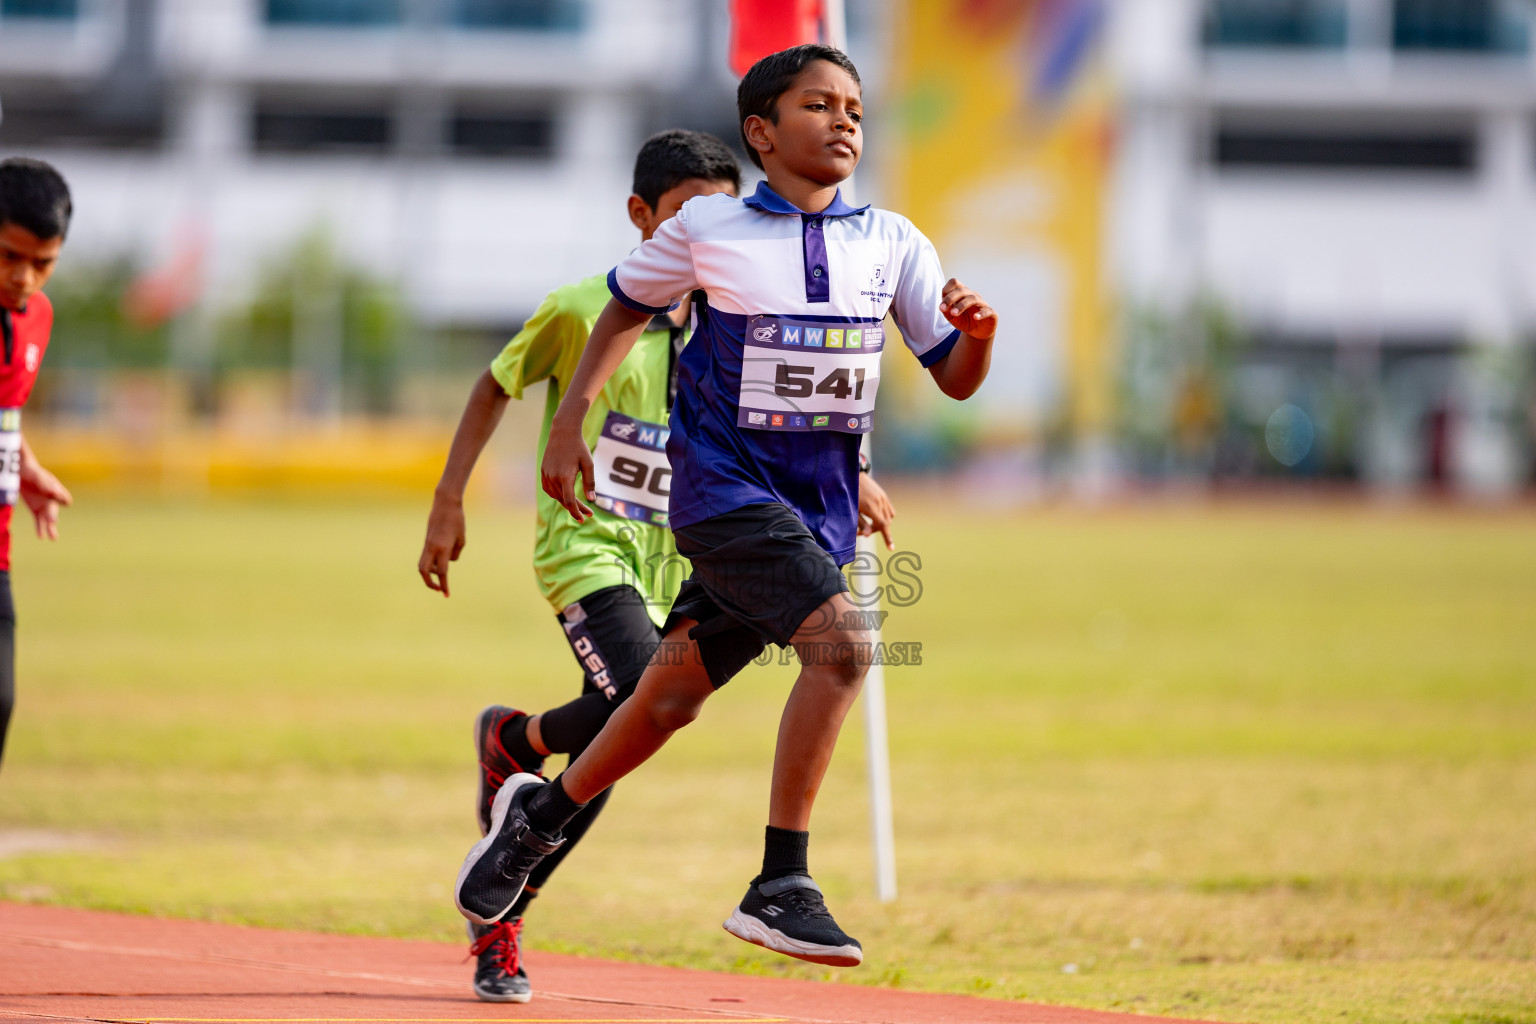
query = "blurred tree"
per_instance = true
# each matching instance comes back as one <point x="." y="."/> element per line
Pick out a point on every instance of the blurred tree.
<point x="312" y="313"/>
<point x="92" y="328"/>
<point x="1175" y="384"/>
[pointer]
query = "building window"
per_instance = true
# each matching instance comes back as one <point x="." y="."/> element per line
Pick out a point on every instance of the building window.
<point x="527" y="15"/>
<point x="57" y="10"/>
<point x="558" y="15"/>
<point x="1476" y="26"/>
<point x="286" y="130"/>
<point x="76" y="120"/>
<point x="332" y="12"/>
<point x="1283" y="23"/>
<point x="1447" y="150"/>
<point x="524" y="135"/>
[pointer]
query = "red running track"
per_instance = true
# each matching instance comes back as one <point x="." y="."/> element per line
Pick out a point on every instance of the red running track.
<point x="78" y="965"/>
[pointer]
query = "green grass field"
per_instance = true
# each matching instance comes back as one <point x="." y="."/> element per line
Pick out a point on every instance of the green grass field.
<point x="1249" y="763"/>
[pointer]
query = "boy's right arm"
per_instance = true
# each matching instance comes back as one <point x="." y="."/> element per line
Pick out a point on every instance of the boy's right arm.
<point x="445" y="524"/>
<point x="648" y="281"/>
<point x="567" y="454"/>
<point x="42" y="492"/>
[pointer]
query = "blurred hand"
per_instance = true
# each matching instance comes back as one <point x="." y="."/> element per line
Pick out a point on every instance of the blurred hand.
<point x="44" y="495"/>
<point x="445" y="539"/>
<point x="875" y="511"/>
<point x="565" y="455"/>
<point x="966" y="311"/>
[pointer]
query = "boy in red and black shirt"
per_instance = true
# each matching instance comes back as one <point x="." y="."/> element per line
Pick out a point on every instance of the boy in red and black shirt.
<point x="34" y="215"/>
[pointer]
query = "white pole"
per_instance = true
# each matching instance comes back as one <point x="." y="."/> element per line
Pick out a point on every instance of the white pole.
<point x="878" y="758"/>
<point x="877" y="748"/>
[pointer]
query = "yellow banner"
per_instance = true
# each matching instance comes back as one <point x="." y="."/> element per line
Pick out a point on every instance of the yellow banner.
<point x="1004" y="128"/>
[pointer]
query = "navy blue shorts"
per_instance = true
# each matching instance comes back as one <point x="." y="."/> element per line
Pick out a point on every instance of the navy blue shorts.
<point x="758" y="575"/>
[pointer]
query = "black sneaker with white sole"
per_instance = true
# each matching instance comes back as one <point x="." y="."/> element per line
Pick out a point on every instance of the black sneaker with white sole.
<point x="497" y="867"/>
<point x="788" y="915"/>
<point x="498" y="952"/>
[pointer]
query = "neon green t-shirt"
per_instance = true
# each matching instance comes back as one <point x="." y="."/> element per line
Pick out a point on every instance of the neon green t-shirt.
<point x="572" y="560"/>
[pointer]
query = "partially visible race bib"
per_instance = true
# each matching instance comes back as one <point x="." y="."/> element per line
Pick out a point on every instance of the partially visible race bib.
<point x="10" y="455"/>
<point x="801" y="375"/>
<point x="634" y="477"/>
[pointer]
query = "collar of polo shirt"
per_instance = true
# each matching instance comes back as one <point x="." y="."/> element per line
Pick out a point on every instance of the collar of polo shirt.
<point x="769" y="201"/>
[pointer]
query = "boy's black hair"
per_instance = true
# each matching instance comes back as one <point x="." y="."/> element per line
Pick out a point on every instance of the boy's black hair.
<point x="672" y="157"/>
<point x="771" y="78"/>
<point x="34" y="196"/>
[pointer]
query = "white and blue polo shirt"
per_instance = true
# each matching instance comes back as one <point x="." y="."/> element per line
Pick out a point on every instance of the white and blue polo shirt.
<point x="778" y="382"/>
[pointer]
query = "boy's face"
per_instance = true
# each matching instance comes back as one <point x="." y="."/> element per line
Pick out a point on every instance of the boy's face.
<point x="817" y="135"/>
<point x="26" y="264"/>
<point x="672" y="200"/>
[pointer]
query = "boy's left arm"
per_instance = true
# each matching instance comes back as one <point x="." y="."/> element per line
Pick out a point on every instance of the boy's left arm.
<point x="965" y="366"/>
<point x="42" y="492"/>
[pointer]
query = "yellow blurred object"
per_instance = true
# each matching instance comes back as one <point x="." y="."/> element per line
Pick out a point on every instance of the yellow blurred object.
<point x="1005" y="125"/>
<point x="343" y="459"/>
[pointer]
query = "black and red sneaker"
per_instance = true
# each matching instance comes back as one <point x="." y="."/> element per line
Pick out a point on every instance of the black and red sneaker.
<point x="496" y="765"/>
<point x="498" y="952"/>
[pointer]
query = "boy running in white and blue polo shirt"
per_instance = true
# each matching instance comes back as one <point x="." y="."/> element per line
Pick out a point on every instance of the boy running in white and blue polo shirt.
<point x="609" y="580"/>
<point x="775" y="389"/>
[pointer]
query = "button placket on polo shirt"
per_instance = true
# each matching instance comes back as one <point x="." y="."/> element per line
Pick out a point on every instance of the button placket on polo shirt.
<point x="817" y="273"/>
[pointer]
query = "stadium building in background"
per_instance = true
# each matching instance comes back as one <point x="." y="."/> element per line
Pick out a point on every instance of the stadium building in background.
<point x="1308" y="253"/>
<point x="1350" y="186"/>
<point x="460" y="147"/>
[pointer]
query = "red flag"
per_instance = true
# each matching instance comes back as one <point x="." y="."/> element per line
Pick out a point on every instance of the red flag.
<point x="761" y="27"/>
<point x="157" y="295"/>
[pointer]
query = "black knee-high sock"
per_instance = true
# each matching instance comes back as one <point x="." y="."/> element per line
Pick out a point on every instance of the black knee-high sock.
<point x="568" y="728"/>
<point x="785" y="853"/>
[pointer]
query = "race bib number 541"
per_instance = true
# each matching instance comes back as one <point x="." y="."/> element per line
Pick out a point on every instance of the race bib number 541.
<point x="800" y="375"/>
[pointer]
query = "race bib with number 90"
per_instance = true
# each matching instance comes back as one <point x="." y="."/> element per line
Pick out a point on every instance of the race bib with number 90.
<point x="802" y="375"/>
<point x="634" y="478"/>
